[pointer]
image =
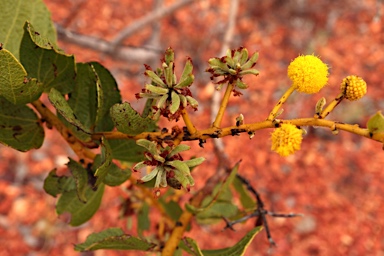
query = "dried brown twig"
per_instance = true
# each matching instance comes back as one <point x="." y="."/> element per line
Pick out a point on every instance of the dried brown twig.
<point x="115" y="48"/>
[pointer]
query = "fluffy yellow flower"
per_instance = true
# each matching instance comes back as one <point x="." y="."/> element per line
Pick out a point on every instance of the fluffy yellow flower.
<point x="353" y="87"/>
<point x="286" y="139"/>
<point x="308" y="74"/>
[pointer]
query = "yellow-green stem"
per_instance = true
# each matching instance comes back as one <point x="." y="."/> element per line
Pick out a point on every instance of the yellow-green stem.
<point x="223" y="106"/>
<point x="233" y="130"/>
<point x="191" y="128"/>
<point x="177" y="234"/>
<point x="331" y="106"/>
<point x="182" y="224"/>
<point x="278" y="105"/>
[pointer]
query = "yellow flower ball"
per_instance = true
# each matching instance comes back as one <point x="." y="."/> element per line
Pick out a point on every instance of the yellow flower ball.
<point x="286" y="139"/>
<point x="353" y="87"/>
<point x="308" y="74"/>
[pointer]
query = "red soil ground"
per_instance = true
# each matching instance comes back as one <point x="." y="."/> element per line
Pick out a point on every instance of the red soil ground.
<point x="335" y="181"/>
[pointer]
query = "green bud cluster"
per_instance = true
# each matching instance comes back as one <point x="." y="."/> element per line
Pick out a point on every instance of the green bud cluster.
<point x="169" y="95"/>
<point x="233" y="67"/>
<point x="169" y="167"/>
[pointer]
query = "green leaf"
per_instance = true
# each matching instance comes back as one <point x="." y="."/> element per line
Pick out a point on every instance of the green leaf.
<point x="187" y="75"/>
<point x="190" y="246"/>
<point x="161" y="101"/>
<point x="228" y="181"/>
<point x="143" y="221"/>
<point x="172" y="208"/>
<point x="83" y="99"/>
<point x="186" y="82"/>
<point x="106" y="162"/>
<point x="151" y="146"/>
<point x="175" y="102"/>
<point x="376" y="123"/>
<point x="217" y="212"/>
<point x="194" y="161"/>
<point x="19" y="127"/>
<point x="13" y="15"/>
<point x="217" y="63"/>
<point x="220" y="193"/>
<point x="156" y="89"/>
<point x="115" y="239"/>
<point x="244" y="56"/>
<point x="80" y="176"/>
<point x="238" y="249"/>
<point x="43" y="61"/>
<point x="155" y="78"/>
<point x="169" y="56"/>
<point x="169" y="75"/>
<point x="62" y="106"/>
<point x="15" y="86"/>
<point x="240" y="84"/>
<point x="95" y="92"/>
<point x="108" y="94"/>
<point x="126" y="150"/>
<point x="115" y="175"/>
<point x="147" y="108"/>
<point x="249" y="72"/>
<point x="183" y="100"/>
<point x="194" y="103"/>
<point x="180" y="165"/>
<point x="55" y="185"/>
<point x="186" y="180"/>
<point x="251" y="62"/>
<point x="128" y="121"/>
<point x="178" y="149"/>
<point x="80" y="212"/>
<point x="153" y="173"/>
<point x="246" y="199"/>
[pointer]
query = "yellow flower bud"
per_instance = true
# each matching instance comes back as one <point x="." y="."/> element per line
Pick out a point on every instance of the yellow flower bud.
<point x="353" y="87"/>
<point x="286" y="139"/>
<point x="308" y="74"/>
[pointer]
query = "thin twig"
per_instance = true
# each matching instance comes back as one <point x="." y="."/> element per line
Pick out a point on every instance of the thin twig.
<point x="233" y="8"/>
<point x="210" y="133"/>
<point x="260" y="212"/>
<point x="280" y="103"/>
<point x="125" y="53"/>
<point x="215" y="106"/>
<point x="146" y="20"/>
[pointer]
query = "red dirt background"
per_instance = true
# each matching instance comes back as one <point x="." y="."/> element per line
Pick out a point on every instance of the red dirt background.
<point x="335" y="181"/>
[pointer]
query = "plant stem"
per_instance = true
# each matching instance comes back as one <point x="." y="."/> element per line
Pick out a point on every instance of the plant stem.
<point x="191" y="128"/>
<point x="331" y="106"/>
<point x="186" y="216"/>
<point x="282" y="100"/>
<point x="223" y="106"/>
<point x="77" y="146"/>
<point x="177" y="234"/>
<point x="245" y="128"/>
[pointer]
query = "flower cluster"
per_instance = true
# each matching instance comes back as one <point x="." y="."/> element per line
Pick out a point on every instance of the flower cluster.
<point x="286" y="139"/>
<point x="233" y="67"/>
<point x="169" y="95"/>
<point x="169" y="167"/>
<point x="353" y="87"/>
<point x="308" y="74"/>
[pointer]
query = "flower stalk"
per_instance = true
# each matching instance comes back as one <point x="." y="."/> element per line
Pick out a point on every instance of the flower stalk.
<point x="191" y="128"/>
<point x="223" y="106"/>
<point x="278" y="105"/>
<point x="331" y="106"/>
